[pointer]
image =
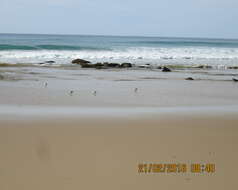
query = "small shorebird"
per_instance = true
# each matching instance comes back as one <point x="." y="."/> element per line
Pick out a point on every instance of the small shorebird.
<point x="94" y="92"/>
<point x="136" y="90"/>
<point x="71" y="92"/>
<point x="45" y="84"/>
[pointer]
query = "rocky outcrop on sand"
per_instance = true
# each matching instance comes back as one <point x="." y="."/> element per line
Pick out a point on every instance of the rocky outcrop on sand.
<point x="126" y="65"/>
<point x="47" y="62"/>
<point x="80" y="61"/>
<point x="233" y="67"/>
<point x="105" y="65"/>
<point x="111" y="65"/>
<point x="166" y="69"/>
<point x="189" y="78"/>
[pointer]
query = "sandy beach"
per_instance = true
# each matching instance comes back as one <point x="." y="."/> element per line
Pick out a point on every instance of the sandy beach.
<point x="53" y="139"/>
<point x="78" y="151"/>
<point x="115" y="87"/>
<point x="118" y="95"/>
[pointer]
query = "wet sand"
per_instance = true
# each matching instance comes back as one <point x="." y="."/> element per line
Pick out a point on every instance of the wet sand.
<point x="116" y="88"/>
<point x="50" y="139"/>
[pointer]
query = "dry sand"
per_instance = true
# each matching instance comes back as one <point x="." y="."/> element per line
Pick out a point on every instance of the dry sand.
<point x="100" y="153"/>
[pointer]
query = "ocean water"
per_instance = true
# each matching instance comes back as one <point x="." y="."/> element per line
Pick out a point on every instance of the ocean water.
<point x="32" y="49"/>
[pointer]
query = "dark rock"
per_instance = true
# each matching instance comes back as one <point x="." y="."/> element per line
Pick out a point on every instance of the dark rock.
<point x="50" y="62"/>
<point x="235" y="80"/>
<point x="166" y="69"/>
<point x="86" y="65"/>
<point x="111" y="64"/>
<point x="189" y="78"/>
<point x="46" y="62"/>
<point x="126" y="65"/>
<point x="233" y="67"/>
<point x="99" y="66"/>
<point x="105" y="65"/>
<point x="80" y="61"/>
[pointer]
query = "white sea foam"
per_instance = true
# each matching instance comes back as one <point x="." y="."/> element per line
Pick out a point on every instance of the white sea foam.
<point x="129" y="54"/>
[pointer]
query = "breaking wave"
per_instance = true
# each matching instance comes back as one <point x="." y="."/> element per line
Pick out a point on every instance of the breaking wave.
<point x="132" y="53"/>
<point x="62" y="49"/>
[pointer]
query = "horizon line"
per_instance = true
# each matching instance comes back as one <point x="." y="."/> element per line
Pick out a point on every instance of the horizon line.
<point x="112" y="35"/>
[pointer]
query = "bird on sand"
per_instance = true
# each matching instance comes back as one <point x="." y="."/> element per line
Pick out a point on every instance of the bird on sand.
<point x="235" y="80"/>
<point x="136" y="90"/>
<point x="71" y="92"/>
<point x="45" y="84"/>
<point x="94" y="92"/>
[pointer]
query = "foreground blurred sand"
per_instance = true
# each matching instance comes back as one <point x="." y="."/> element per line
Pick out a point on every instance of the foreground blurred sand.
<point x="103" y="153"/>
<point x="50" y="140"/>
